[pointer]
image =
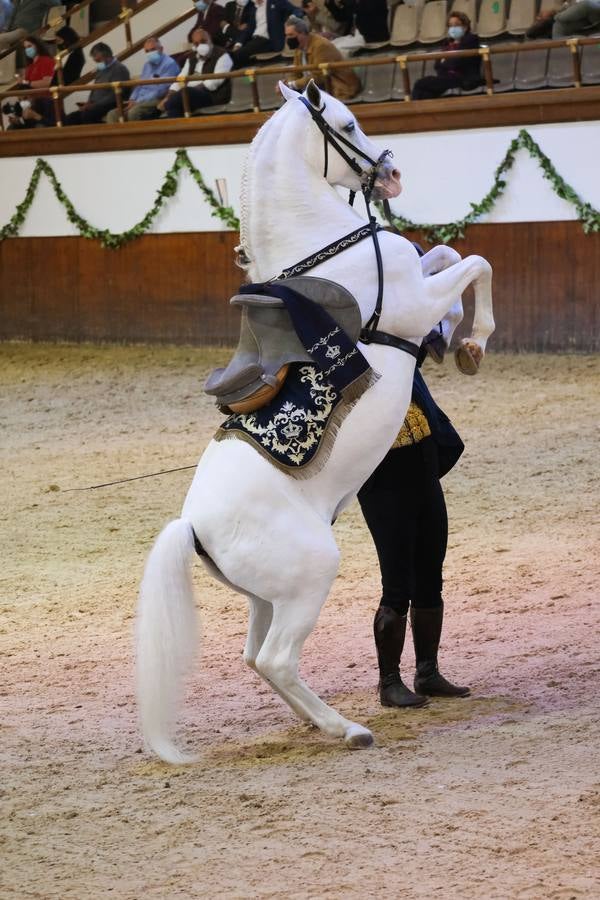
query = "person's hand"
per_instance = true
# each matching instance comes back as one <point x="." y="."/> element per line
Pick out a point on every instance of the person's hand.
<point x="243" y="26"/>
<point x="30" y="115"/>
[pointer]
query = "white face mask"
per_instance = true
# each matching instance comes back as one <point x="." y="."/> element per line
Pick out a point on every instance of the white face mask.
<point x="242" y="2"/>
<point x="202" y="49"/>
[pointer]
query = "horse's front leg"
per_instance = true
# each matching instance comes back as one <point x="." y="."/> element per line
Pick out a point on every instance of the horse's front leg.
<point x="436" y="260"/>
<point x="453" y="281"/>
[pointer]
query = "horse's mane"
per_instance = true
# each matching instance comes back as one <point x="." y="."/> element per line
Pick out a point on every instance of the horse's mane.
<point x="247" y="200"/>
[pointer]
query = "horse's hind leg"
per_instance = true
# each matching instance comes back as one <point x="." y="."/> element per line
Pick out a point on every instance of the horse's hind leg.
<point x="259" y="621"/>
<point x="293" y="620"/>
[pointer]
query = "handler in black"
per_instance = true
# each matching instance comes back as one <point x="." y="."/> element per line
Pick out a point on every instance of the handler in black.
<point x="403" y="505"/>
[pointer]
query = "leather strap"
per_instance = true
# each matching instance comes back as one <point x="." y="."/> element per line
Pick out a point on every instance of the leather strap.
<point x="389" y="340"/>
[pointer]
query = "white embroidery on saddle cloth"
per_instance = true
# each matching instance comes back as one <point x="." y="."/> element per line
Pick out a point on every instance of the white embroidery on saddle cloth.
<point x="296" y="431"/>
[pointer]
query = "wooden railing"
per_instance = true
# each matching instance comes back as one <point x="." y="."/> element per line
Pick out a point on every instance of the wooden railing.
<point x="255" y="75"/>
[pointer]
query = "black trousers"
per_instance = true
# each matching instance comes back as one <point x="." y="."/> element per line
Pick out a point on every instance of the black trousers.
<point x="199" y="97"/>
<point x="92" y="115"/>
<point x="433" y="86"/>
<point x="403" y="505"/>
<point x="255" y="45"/>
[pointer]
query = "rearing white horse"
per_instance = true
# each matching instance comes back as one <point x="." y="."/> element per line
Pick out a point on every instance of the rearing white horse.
<point x="266" y="534"/>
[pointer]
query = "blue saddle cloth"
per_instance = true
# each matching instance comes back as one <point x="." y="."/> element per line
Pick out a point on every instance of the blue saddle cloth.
<point x="298" y="427"/>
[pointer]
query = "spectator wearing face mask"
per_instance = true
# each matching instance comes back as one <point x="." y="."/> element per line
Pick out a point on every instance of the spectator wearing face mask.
<point x="312" y="49"/>
<point x="204" y="59"/>
<point x="210" y="16"/>
<point x="38" y="74"/>
<point x="100" y="102"/>
<point x="462" y="72"/>
<point x="42" y="112"/>
<point x="144" y="99"/>
<point x="27" y="16"/>
<point x="237" y="25"/>
<point x="269" y="35"/>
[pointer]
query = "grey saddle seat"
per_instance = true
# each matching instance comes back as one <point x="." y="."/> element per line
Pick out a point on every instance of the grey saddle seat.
<point x="268" y="340"/>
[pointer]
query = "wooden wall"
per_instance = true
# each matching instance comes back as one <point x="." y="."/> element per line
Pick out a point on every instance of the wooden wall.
<point x="175" y="288"/>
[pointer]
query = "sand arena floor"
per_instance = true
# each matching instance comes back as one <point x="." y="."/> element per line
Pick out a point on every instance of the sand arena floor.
<point x="497" y="796"/>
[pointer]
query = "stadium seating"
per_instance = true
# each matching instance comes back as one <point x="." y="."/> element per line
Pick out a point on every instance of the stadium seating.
<point x="522" y="16"/>
<point x="433" y="22"/>
<point x="405" y="26"/>
<point x="590" y="64"/>
<point x="377" y="84"/>
<point x="469" y="7"/>
<point x="531" y="69"/>
<point x="560" y="68"/>
<point x="492" y="18"/>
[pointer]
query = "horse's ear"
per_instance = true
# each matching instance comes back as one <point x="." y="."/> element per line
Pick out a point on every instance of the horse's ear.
<point x="313" y="93"/>
<point x="286" y="92"/>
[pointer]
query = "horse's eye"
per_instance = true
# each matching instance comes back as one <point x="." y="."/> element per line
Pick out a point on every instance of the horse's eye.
<point x="349" y="128"/>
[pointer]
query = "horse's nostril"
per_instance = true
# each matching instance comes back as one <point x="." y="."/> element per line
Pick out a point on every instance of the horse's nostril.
<point x="396" y="174"/>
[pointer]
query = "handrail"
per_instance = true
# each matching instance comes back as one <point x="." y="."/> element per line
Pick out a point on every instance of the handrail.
<point x="123" y="18"/>
<point x="254" y="74"/>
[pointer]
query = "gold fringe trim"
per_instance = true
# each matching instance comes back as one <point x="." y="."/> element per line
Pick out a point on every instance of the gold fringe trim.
<point x="350" y="396"/>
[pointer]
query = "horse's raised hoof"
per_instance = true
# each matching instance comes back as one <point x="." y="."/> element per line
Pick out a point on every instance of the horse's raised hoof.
<point x="468" y="357"/>
<point x="357" y="737"/>
<point x="436" y="346"/>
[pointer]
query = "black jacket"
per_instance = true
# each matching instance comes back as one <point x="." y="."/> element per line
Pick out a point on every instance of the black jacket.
<point x="447" y="440"/>
<point x="467" y="68"/>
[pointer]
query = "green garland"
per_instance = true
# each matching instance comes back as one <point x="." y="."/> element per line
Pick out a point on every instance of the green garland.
<point x="108" y="238"/>
<point x="587" y="215"/>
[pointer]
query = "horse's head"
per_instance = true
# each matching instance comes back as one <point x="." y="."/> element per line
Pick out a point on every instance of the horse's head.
<point x="350" y="159"/>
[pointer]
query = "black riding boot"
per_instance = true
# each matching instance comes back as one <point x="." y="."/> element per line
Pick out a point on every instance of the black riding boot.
<point x="427" y="631"/>
<point x="389" y="629"/>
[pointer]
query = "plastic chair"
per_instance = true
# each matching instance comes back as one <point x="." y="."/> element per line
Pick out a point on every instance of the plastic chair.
<point x="405" y="26"/>
<point x="590" y="64"/>
<point x="8" y="68"/>
<point x="269" y="97"/>
<point x="560" y="68"/>
<point x="415" y="71"/>
<point x="503" y="68"/>
<point x="378" y="83"/>
<point x="469" y="7"/>
<point x="530" y="71"/>
<point x="242" y="99"/>
<point x="522" y="16"/>
<point x="492" y="18"/>
<point x="433" y="22"/>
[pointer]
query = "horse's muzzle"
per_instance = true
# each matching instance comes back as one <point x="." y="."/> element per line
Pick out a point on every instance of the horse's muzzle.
<point x="387" y="184"/>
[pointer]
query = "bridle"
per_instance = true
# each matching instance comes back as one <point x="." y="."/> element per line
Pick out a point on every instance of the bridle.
<point x="370" y="333"/>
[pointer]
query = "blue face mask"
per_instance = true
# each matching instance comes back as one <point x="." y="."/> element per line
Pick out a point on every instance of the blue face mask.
<point x="100" y="67"/>
<point x="456" y="32"/>
<point x="154" y="57"/>
<point x="201" y="5"/>
<point x="31" y="52"/>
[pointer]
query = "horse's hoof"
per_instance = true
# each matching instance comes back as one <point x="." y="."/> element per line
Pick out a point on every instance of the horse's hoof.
<point x="436" y="346"/>
<point x="468" y="357"/>
<point x="357" y="737"/>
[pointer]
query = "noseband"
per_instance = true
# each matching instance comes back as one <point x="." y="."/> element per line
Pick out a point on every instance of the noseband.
<point x="369" y="334"/>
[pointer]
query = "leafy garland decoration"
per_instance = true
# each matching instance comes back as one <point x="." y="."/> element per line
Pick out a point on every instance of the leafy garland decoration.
<point x="108" y="238"/>
<point x="587" y="215"/>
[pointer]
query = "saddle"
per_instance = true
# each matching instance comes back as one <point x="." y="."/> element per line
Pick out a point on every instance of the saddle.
<point x="268" y="343"/>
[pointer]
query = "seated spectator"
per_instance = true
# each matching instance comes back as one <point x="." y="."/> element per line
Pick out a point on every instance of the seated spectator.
<point x="27" y="16"/>
<point x="237" y="25"/>
<point x="143" y="102"/>
<point x="542" y="27"/>
<point x="38" y="74"/>
<point x="42" y="113"/>
<point x="210" y="16"/>
<point x="577" y="18"/>
<point x="370" y="25"/>
<point x="100" y="102"/>
<point x="204" y="59"/>
<point x="464" y="72"/>
<point x="268" y="33"/>
<point x="327" y="17"/>
<point x="312" y="49"/>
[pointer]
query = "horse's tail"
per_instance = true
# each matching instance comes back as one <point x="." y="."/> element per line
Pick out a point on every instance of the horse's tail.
<point x="166" y="636"/>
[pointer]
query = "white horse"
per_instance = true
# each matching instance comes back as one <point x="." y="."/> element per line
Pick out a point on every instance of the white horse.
<point x="266" y="534"/>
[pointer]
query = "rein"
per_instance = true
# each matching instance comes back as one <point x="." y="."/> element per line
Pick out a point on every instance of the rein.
<point x="370" y="333"/>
